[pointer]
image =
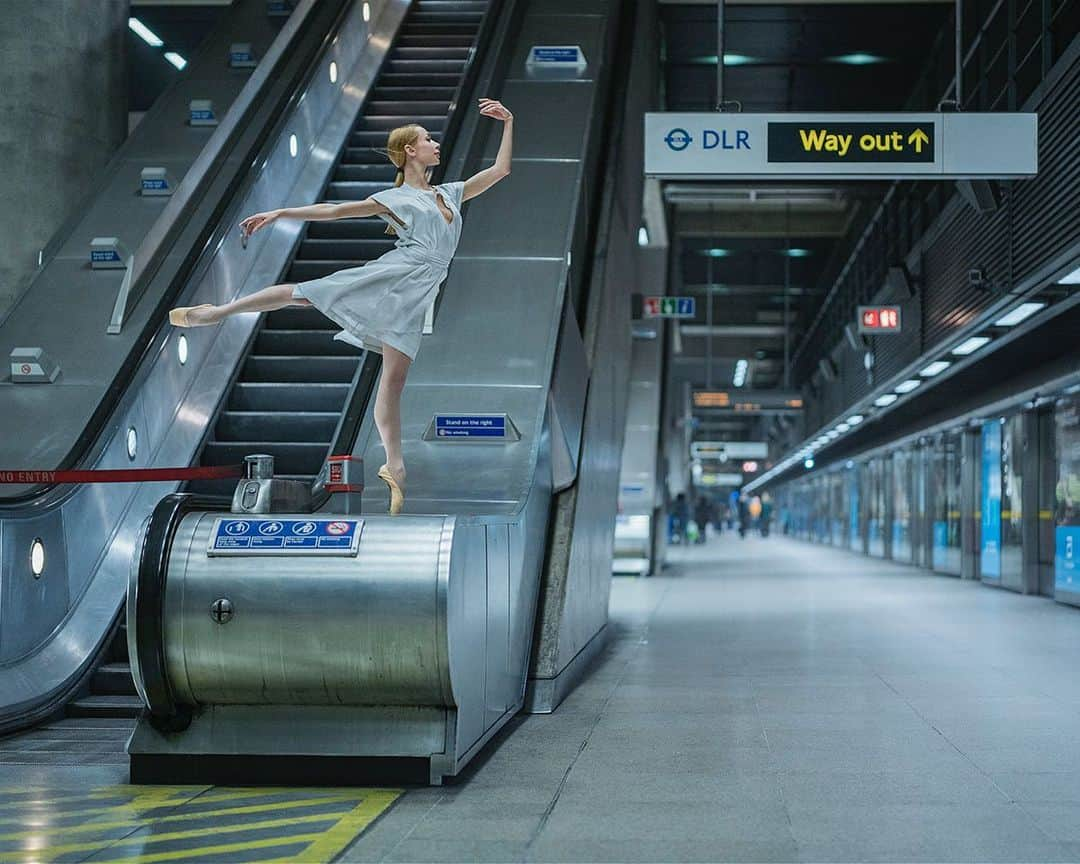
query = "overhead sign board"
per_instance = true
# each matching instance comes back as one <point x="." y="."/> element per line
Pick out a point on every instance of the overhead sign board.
<point x="668" y="307"/>
<point x="720" y="480"/>
<point x="930" y="146"/>
<point x="880" y="319"/>
<point x="724" y="450"/>
<point x="846" y="143"/>
<point x="748" y="401"/>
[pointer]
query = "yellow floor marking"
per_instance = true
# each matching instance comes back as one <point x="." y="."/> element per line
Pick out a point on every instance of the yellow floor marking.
<point x="334" y="840"/>
<point x="324" y="846"/>
<point x="90" y="827"/>
<point x="215" y="850"/>
<point x="48" y="853"/>
<point x="154" y="803"/>
<point x="64" y="799"/>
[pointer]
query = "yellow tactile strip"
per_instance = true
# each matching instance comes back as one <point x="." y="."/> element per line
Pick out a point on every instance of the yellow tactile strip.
<point x="184" y="823"/>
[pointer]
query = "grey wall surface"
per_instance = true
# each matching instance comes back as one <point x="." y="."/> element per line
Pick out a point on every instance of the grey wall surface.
<point x="63" y="99"/>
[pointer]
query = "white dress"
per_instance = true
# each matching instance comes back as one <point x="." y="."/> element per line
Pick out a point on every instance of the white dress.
<point x="383" y="302"/>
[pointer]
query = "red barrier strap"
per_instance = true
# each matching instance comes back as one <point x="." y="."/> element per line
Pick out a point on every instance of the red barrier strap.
<point x="121" y="475"/>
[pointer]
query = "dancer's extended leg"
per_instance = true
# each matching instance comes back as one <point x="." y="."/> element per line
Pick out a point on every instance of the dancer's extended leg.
<point x="395" y="367"/>
<point x="266" y="300"/>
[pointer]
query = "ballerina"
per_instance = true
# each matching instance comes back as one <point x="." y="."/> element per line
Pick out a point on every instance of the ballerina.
<point x="380" y="305"/>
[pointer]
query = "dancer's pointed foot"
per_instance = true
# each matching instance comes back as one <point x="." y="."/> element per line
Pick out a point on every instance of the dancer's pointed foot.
<point x="397" y="496"/>
<point x="189" y="316"/>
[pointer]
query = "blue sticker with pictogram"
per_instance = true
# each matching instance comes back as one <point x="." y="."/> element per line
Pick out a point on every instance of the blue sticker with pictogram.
<point x="255" y="535"/>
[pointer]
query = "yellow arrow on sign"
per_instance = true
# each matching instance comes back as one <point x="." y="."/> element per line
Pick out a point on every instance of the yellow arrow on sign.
<point x="918" y="138"/>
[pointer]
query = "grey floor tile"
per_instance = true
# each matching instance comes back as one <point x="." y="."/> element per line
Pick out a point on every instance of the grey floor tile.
<point x="1058" y="820"/>
<point x="957" y="783"/>
<point x="1053" y="787"/>
<point x="659" y="849"/>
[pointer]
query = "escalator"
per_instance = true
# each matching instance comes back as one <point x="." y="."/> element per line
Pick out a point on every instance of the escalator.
<point x="296" y="393"/>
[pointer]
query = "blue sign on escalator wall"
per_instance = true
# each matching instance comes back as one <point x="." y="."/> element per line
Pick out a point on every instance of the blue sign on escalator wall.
<point x="990" y="553"/>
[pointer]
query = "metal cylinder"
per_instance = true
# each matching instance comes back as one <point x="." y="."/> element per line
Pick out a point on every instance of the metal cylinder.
<point x="259" y="466"/>
<point x="297" y="630"/>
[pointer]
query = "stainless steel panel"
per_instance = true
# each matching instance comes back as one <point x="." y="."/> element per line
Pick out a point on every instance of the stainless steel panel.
<point x="302" y="730"/>
<point x="535" y="136"/>
<point x="547" y="191"/>
<point x="336" y="631"/>
<point x="566" y="402"/>
<point x="43" y="600"/>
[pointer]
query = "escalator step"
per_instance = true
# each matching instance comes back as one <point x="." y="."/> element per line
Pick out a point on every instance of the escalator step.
<point x="292" y="342"/>
<point x="385" y="93"/>
<point x="117" y="651"/>
<point x="432" y="122"/>
<point x="402" y="52"/>
<point x="409" y="40"/>
<point x="104" y="706"/>
<point x="299" y="369"/>
<point x="290" y="457"/>
<point x="296" y="318"/>
<point x="399" y="107"/>
<point x="372" y="173"/>
<point x="428" y="28"/>
<point x="419" y="67"/>
<point x="270" y="396"/>
<point x="451" y="5"/>
<point x="359" y="249"/>
<point x="275" y="426"/>
<point x="354" y="190"/>
<point x="364" y="155"/>
<point x="437" y="15"/>
<point x="377" y="138"/>
<point x="303" y="271"/>
<point x="370" y="228"/>
<point x="114" y="679"/>
<point x="419" y="79"/>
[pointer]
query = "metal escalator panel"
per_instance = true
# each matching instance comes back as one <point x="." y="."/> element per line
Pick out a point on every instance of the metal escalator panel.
<point x="289" y="395"/>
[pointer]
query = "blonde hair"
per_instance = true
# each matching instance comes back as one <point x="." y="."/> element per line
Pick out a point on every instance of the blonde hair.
<point x="395" y="151"/>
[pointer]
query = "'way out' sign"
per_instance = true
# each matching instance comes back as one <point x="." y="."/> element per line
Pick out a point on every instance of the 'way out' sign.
<point x="806" y="146"/>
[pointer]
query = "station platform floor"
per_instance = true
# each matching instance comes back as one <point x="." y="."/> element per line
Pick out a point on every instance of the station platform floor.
<point x="760" y="700"/>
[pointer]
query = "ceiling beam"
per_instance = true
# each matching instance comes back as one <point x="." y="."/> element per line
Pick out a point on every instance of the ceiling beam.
<point x="756" y="331"/>
<point x="828" y="221"/>
<point x="797" y="2"/>
<point x="725" y="289"/>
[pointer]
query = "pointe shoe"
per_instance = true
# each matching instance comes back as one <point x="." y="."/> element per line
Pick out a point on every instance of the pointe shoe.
<point x="397" y="497"/>
<point x="178" y="317"/>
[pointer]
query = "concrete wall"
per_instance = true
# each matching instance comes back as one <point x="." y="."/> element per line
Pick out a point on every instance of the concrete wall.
<point x="63" y="104"/>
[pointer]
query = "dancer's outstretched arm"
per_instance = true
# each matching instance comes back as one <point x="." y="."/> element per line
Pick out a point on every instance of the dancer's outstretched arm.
<point x="314" y="213"/>
<point x="481" y="181"/>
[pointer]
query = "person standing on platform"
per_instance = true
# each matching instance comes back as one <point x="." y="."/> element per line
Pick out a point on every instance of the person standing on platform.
<point x="766" y="513"/>
<point x="702" y="515"/>
<point x="380" y="306"/>
<point x="755" y="511"/>
<point x="744" y="514"/>
<point x="680" y="516"/>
